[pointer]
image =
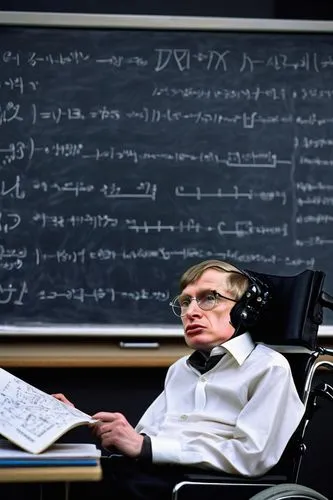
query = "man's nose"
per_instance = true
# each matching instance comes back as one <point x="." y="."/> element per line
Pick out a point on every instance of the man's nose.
<point x="193" y="307"/>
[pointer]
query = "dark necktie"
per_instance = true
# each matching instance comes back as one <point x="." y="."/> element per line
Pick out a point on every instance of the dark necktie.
<point x="202" y="363"/>
<point x="212" y="361"/>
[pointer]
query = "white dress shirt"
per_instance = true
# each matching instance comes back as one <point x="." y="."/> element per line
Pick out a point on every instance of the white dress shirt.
<point x="237" y="417"/>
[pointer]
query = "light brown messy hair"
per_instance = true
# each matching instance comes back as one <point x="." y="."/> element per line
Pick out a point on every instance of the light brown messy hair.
<point x="237" y="282"/>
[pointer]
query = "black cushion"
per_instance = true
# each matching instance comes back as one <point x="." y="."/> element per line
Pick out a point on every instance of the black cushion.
<point x="293" y="314"/>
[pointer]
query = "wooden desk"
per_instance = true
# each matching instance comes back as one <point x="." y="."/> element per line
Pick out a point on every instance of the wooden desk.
<point x="50" y="474"/>
<point x="49" y="483"/>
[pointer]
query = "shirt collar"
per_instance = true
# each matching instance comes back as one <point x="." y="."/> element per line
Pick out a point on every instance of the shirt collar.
<point x="239" y="347"/>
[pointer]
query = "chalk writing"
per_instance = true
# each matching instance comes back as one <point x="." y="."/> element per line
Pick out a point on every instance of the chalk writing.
<point x="20" y="84"/>
<point x="235" y="194"/>
<point x="128" y="155"/>
<point x="59" y="221"/>
<point x="9" y="222"/>
<point x="245" y="94"/>
<point x="17" y="258"/>
<point x="13" y="294"/>
<point x="98" y="294"/>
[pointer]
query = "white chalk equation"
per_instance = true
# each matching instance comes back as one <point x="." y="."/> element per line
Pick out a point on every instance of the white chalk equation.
<point x="312" y="142"/>
<point x="255" y="94"/>
<point x="181" y="59"/>
<point x="223" y="94"/>
<point x="315" y="219"/>
<point x="326" y="201"/>
<point x="10" y="222"/>
<point x="23" y="85"/>
<point x="240" y="229"/>
<point x="143" y="190"/>
<point x="34" y="59"/>
<point x="308" y="187"/>
<point x="314" y="241"/>
<point x="99" y="221"/>
<point x="21" y="151"/>
<point x="222" y="60"/>
<point x="12" y="259"/>
<point x="14" y="112"/>
<point x="104" y="294"/>
<point x="15" y="294"/>
<point x="315" y="161"/>
<point x="13" y="189"/>
<point x="253" y="159"/>
<point x="19" y="84"/>
<point x="235" y="194"/>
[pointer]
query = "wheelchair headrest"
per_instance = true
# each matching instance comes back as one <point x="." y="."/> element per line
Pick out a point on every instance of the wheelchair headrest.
<point x="293" y="312"/>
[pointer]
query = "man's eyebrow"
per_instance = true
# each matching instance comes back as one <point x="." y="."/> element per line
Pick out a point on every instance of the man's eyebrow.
<point x="201" y="290"/>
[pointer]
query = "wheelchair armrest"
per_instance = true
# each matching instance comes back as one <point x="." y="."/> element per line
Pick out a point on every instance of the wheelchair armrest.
<point x="323" y="390"/>
<point x="325" y="350"/>
<point x="326" y="300"/>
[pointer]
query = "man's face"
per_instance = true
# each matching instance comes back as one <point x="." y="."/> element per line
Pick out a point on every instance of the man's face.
<point x="206" y="329"/>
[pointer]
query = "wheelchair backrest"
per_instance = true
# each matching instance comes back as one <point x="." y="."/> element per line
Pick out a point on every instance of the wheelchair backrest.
<point x="294" y="312"/>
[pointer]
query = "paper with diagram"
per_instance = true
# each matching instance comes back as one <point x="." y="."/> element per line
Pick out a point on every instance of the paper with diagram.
<point x="31" y="418"/>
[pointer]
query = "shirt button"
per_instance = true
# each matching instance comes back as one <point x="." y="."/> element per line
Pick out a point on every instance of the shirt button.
<point x="183" y="417"/>
<point x="203" y="379"/>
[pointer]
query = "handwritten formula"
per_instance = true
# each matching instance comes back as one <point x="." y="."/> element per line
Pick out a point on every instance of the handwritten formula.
<point x="126" y="156"/>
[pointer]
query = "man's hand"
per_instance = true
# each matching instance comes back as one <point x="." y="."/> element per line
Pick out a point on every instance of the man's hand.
<point x="114" y="430"/>
<point x="62" y="398"/>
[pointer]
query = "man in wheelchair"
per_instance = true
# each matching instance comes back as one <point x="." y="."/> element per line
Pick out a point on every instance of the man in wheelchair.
<point x="230" y="406"/>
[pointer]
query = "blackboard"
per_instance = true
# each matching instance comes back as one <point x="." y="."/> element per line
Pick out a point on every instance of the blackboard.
<point x="129" y="154"/>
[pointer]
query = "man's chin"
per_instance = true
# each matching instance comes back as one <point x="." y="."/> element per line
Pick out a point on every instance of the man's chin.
<point x="198" y="343"/>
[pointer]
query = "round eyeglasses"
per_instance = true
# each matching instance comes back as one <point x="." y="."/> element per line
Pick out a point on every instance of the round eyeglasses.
<point x="206" y="300"/>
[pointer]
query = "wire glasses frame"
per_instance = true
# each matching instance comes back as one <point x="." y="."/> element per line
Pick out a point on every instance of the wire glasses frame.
<point x="206" y="300"/>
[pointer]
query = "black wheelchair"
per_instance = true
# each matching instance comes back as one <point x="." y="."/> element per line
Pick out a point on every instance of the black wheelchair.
<point x="290" y="324"/>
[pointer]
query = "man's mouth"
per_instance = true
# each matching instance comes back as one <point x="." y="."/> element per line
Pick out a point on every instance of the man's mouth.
<point x="193" y="329"/>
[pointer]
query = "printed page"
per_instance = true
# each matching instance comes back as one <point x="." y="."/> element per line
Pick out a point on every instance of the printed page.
<point x="32" y="419"/>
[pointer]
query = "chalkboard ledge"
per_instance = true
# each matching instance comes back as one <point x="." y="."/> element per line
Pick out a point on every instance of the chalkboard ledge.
<point x="84" y="330"/>
<point x="101" y="331"/>
<point x="89" y="353"/>
<point x="94" y="353"/>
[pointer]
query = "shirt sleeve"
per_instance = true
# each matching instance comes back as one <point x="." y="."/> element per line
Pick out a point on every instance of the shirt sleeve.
<point x="146" y="451"/>
<point x="262" y="431"/>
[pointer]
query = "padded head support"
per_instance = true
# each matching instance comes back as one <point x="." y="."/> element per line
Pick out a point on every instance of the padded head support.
<point x="294" y="311"/>
<point x="281" y="310"/>
<point x="246" y="312"/>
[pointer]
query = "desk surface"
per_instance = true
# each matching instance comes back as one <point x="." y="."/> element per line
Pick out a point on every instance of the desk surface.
<point x="50" y="474"/>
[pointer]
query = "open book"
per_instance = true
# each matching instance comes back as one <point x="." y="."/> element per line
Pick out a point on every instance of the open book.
<point x="32" y="419"/>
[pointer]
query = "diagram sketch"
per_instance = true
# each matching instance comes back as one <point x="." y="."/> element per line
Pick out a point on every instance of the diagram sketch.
<point x="31" y="418"/>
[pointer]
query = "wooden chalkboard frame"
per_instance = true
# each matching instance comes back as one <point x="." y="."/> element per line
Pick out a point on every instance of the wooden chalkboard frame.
<point x="47" y="19"/>
<point x="41" y="19"/>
